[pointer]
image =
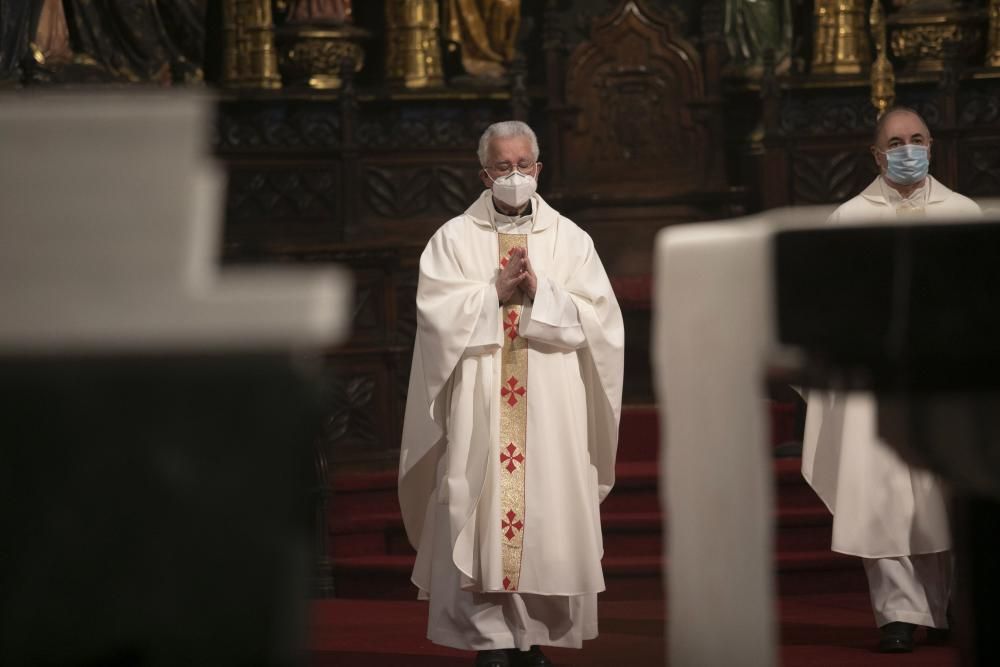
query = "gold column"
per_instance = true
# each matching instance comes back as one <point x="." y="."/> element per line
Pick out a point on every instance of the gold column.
<point x="883" y="78"/>
<point x="840" y="43"/>
<point x="249" y="59"/>
<point x="993" y="53"/>
<point x="413" y="43"/>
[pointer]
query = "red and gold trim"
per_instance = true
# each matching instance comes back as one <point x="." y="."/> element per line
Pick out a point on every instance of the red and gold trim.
<point x="513" y="427"/>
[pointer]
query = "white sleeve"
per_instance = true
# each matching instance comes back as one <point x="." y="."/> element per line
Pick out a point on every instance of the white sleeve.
<point x="552" y="318"/>
<point x="488" y="333"/>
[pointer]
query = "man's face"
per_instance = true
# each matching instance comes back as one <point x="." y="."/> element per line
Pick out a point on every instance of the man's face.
<point x="507" y="154"/>
<point x="899" y="129"/>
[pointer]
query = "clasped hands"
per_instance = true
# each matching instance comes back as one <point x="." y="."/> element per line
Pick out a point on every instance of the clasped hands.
<point x="516" y="275"/>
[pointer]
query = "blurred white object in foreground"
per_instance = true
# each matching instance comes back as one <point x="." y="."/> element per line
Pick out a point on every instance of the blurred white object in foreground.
<point x="111" y="215"/>
<point x="714" y="336"/>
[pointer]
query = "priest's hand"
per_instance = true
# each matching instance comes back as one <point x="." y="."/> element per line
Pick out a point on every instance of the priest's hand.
<point x="511" y="275"/>
<point x="530" y="283"/>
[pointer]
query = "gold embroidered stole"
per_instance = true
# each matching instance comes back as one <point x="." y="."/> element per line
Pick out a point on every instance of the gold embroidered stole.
<point x="513" y="426"/>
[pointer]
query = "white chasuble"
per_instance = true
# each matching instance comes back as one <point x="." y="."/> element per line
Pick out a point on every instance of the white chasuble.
<point x="511" y="425"/>
<point x="881" y="506"/>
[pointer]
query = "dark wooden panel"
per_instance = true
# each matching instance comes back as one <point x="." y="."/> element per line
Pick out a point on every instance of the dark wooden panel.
<point x="270" y="125"/>
<point x="296" y="193"/>
<point x="979" y="166"/>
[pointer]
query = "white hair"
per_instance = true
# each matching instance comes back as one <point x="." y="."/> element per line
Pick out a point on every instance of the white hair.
<point x="507" y="128"/>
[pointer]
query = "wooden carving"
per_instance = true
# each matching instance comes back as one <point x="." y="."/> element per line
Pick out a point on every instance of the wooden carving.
<point x="638" y="129"/>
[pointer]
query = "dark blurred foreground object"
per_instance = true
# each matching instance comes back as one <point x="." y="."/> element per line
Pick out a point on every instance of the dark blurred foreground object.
<point x="159" y="415"/>
<point x="155" y="510"/>
<point x="910" y="313"/>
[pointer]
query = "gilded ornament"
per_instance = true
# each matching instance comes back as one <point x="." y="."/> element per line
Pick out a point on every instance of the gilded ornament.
<point x="249" y="57"/>
<point x="319" y="11"/>
<point x="313" y="57"/>
<point x="882" y="76"/>
<point x="926" y="35"/>
<point x="840" y="38"/>
<point x="413" y="43"/>
<point x="993" y="54"/>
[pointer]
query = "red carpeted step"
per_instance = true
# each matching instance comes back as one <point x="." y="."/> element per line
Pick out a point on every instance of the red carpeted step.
<point x="625" y="533"/>
<point x="370" y="535"/>
<point x="806" y="573"/>
<point x="791" y="488"/>
<point x="374" y="577"/>
<point x="635" y="488"/>
<point x="632" y="534"/>
<point x="802" y="529"/>
<point x="627" y="577"/>
<point x="639" y="533"/>
<point x="361" y="494"/>
<point x="639" y="431"/>
<point x="358" y="494"/>
<point x="373" y="494"/>
<point x="820" y="572"/>
<point x="816" y="631"/>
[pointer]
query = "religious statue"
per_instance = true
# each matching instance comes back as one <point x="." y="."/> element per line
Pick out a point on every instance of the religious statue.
<point x="38" y="46"/>
<point x="485" y="31"/>
<point x="319" y="11"/>
<point x="52" y="34"/>
<point x="754" y="27"/>
<point x="16" y="21"/>
<point x="145" y="41"/>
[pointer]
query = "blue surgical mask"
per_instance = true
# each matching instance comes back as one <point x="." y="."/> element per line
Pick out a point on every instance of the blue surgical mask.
<point x="907" y="164"/>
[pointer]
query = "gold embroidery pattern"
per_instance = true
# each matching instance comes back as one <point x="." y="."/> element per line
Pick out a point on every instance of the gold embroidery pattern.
<point x="513" y="427"/>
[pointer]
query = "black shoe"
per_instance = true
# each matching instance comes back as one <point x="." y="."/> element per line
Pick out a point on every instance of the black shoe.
<point x="896" y="637"/>
<point x="531" y="658"/>
<point x="495" y="658"/>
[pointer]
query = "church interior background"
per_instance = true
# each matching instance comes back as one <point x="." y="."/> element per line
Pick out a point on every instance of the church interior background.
<point x="348" y="133"/>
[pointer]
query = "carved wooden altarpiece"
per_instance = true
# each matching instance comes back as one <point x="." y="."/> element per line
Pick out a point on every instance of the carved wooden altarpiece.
<point x="638" y="119"/>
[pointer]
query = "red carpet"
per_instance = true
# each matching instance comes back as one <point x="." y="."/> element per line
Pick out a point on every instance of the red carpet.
<point x="372" y="558"/>
<point x="833" y="630"/>
<point x="825" y="615"/>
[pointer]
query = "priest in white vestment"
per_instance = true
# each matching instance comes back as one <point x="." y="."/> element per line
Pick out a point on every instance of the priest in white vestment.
<point x="511" y="424"/>
<point x="891" y="515"/>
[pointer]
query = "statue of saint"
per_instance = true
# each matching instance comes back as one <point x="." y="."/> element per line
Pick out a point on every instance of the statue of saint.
<point x="141" y="41"/>
<point x="755" y="26"/>
<point x="52" y="35"/>
<point x="485" y="31"/>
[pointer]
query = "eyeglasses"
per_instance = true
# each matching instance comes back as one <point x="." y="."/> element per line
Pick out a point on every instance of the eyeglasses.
<point x="506" y="168"/>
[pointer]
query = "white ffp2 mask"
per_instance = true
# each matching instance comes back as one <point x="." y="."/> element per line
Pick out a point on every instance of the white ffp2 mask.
<point x="514" y="189"/>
